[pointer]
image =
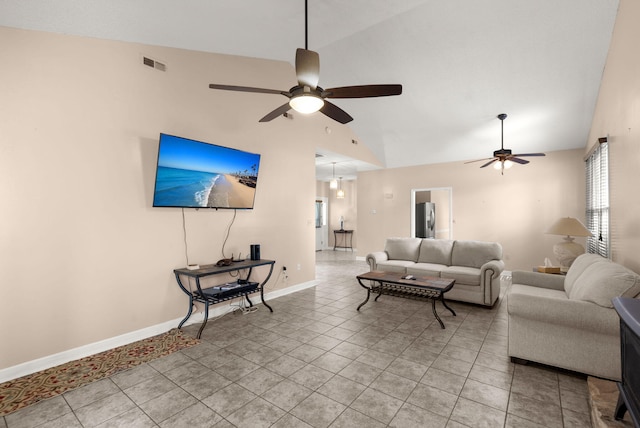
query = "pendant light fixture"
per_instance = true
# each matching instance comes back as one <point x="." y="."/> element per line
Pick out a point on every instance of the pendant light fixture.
<point x="333" y="184"/>
<point x="340" y="192"/>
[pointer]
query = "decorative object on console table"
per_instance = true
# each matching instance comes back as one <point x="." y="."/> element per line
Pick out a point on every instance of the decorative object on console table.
<point x="221" y="293"/>
<point x="341" y="222"/>
<point x="567" y="251"/>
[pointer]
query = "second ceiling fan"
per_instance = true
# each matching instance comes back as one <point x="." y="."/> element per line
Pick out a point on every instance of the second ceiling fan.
<point x="307" y="96"/>
<point x="505" y="156"/>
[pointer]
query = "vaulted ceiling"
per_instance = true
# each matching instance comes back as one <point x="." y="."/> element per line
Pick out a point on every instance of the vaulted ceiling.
<point x="461" y="62"/>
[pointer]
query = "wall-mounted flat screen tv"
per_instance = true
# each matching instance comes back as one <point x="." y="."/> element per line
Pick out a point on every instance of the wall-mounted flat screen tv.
<point x="195" y="174"/>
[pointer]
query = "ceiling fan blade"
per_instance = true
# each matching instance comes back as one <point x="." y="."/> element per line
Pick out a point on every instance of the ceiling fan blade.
<point x="335" y="113"/>
<point x="478" y="160"/>
<point x="489" y="163"/>
<point x="518" y="160"/>
<point x="530" y="154"/>
<point x="277" y="112"/>
<point x="249" y="89"/>
<point x="307" y="68"/>
<point x="362" y="91"/>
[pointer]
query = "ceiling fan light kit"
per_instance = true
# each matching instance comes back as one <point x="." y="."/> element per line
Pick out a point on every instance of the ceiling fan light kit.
<point x="506" y="164"/>
<point x="504" y="159"/>
<point x="306" y="103"/>
<point x="307" y="97"/>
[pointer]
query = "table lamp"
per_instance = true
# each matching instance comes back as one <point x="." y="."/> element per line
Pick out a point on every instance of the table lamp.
<point x="567" y="250"/>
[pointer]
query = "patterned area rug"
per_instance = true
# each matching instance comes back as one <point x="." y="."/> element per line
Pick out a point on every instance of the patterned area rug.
<point x="30" y="389"/>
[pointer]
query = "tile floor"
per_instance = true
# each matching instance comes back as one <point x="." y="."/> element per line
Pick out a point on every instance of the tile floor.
<point x="317" y="362"/>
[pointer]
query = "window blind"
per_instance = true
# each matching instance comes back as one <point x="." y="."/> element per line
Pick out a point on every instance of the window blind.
<point x="597" y="215"/>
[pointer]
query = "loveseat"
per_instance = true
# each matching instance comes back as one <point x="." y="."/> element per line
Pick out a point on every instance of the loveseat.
<point x="569" y="321"/>
<point x="475" y="265"/>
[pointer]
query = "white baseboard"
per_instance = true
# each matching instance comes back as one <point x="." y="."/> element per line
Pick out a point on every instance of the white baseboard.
<point x="49" y="361"/>
<point x="284" y="291"/>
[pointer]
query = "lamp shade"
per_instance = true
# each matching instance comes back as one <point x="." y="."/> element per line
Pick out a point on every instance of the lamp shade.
<point x="568" y="226"/>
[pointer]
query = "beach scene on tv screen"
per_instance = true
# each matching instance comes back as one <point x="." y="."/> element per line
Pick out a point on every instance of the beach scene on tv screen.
<point x="201" y="175"/>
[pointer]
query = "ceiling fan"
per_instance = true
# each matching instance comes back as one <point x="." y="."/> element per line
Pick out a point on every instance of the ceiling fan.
<point x="504" y="156"/>
<point x="307" y="96"/>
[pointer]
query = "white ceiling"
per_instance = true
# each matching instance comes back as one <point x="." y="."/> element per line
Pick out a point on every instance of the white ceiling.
<point x="461" y="62"/>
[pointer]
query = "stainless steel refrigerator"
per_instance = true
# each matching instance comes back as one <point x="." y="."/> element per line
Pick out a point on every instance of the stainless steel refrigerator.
<point x="426" y="220"/>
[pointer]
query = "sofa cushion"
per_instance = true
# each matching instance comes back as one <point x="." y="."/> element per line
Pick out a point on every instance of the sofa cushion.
<point x="394" y="265"/>
<point x="462" y="274"/>
<point x="436" y="251"/>
<point x="577" y="268"/>
<point x="425" y="269"/>
<point x="602" y="281"/>
<point x="474" y="253"/>
<point x="403" y="248"/>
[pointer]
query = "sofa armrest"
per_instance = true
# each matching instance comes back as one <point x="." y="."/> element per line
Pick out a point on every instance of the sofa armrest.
<point x="578" y="314"/>
<point x="374" y="258"/>
<point x="492" y="269"/>
<point x="538" y="279"/>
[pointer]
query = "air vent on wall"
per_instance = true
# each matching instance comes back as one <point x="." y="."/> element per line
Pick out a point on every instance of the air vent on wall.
<point x="153" y="63"/>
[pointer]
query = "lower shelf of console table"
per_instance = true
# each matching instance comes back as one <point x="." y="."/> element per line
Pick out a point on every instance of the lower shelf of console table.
<point x="242" y="287"/>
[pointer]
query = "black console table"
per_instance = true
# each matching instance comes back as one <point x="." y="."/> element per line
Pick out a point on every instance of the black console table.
<point x="227" y="291"/>
<point x="345" y="234"/>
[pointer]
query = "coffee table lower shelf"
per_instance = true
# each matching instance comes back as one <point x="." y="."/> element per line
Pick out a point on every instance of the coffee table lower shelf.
<point x="393" y="284"/>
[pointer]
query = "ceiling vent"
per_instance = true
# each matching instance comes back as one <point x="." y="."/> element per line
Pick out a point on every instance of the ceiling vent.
<point x="149" y="62"/>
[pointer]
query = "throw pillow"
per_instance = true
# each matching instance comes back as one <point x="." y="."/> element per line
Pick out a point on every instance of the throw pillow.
<point x="601" y="282"/>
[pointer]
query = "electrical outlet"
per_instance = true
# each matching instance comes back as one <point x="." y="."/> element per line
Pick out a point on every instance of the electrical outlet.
<point x="299" y="267"/>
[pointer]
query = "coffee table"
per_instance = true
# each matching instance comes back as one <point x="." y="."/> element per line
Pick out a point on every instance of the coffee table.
<point x="395" y="284"/>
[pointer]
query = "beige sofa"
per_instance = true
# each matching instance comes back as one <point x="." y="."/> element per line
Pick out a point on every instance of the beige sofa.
<point x="569" y="321"/>
<point x="475" y="265"/>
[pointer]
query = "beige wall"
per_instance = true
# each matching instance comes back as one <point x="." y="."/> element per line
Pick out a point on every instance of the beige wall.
<point x="514" y="209"/>
<point x="84" y="256"/>
<point x="618" y="117"/>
